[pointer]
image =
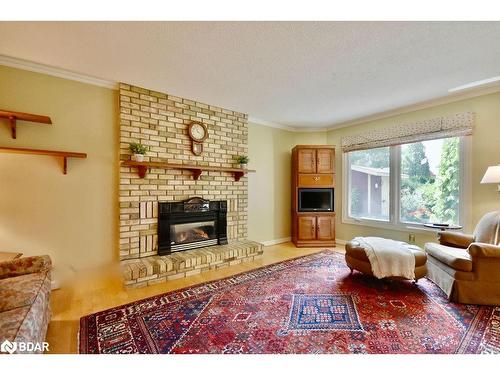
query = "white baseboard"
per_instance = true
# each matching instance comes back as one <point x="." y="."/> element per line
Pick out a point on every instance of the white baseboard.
<point x="340" y="242"/>
<point x="54" y="284"/>
<point x="276" y="241"/>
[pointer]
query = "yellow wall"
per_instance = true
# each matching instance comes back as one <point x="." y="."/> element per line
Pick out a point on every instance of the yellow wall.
<point x="485" y="151"/>
<point x="269" y="200"/>
<point x="72" y="217"/>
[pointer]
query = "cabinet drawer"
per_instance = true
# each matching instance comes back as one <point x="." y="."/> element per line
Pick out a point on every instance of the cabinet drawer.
<point x="316" y="180"/>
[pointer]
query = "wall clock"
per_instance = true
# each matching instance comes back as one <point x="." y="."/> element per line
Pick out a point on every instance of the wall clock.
<point x="198" y="132"/>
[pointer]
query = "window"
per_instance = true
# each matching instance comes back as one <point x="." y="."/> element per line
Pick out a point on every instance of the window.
<point x="414" y="183"/>
<point x="369" y="177"/>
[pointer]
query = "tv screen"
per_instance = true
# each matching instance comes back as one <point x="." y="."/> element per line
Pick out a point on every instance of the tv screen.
<point x="315" y="200"/>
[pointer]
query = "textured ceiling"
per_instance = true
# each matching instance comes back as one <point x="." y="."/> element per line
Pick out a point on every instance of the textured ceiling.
<point x="299" y="74"/>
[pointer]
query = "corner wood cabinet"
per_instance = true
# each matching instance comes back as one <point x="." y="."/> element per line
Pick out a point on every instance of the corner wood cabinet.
<point x="313" y="167"/>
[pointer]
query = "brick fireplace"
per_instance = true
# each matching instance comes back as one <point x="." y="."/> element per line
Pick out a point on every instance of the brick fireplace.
<point x="160" y="121"/>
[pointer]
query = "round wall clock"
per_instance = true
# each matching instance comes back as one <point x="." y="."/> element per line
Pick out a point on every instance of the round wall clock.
<point x="198" y="132"/>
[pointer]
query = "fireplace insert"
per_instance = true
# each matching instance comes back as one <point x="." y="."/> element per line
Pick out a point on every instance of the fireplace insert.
<point x="190" y="224"/>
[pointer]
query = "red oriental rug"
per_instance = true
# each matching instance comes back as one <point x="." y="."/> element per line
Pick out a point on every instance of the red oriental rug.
<point x="310" y="304"/>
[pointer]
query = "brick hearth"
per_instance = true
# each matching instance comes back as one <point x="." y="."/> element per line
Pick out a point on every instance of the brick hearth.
<point x="157" y="269"/>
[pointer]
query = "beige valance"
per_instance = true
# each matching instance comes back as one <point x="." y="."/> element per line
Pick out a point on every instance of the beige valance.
<point x="440" y="127"/>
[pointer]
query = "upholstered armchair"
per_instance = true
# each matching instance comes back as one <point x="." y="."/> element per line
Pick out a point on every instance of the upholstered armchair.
<point x="467" y="267"/>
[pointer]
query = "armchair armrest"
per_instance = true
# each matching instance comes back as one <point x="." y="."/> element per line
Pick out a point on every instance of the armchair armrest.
<point x="455" y="239"/>
<point x="484" y="250"/>
<point x="24" y="266"/>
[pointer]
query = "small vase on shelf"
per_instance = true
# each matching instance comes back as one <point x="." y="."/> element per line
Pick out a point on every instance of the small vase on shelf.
<point x="137" y="157"/>
<point x="242" y="161"/>
<point x="138" y="151"/>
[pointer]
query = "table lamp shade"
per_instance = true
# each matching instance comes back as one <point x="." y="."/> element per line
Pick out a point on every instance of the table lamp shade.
<point x="492" y="175"/>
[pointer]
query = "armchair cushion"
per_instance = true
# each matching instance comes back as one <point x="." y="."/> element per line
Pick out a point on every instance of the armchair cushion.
<point x="457" y="258"/>
<point x="483" y="250"/>
<point x="455" y="239"/>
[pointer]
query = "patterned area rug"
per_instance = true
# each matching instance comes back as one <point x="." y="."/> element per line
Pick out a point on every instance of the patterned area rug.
<point x="307" y="305"/>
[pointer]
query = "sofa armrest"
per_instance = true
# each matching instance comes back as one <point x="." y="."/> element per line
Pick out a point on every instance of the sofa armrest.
<point x="24" y="266"/>
<point x="455" y="239"/>
<point x="484" y="250"/>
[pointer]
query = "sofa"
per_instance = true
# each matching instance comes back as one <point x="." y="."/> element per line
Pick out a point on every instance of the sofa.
<point x="25" y="287"/>
<point x="467" y="267"/>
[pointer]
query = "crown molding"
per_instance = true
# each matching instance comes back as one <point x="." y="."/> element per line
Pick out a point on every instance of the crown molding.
<point x="56" y="72"/>
<point x="270" y="124"/>
<point x="304" y="129"/>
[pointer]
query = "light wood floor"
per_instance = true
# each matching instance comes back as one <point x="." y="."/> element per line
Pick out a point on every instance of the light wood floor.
<point x="103" y="289"/>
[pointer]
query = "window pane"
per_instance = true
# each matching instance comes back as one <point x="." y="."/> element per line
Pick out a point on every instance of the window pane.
<point x="369" y="182"/>
<point x="430" y="181"/>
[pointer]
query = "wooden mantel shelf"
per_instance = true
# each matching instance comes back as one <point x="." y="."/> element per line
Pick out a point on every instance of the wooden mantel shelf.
<point x="143" y="166"/>
<point x="62" y="154"/>
<point x="14" y="116"/>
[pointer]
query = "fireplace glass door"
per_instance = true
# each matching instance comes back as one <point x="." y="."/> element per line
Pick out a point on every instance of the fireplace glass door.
<point x="186" y="233"/>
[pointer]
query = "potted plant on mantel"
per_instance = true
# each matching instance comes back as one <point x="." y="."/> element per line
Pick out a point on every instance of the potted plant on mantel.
<point x="138" y="151"/>
<point x="242" y="161"/>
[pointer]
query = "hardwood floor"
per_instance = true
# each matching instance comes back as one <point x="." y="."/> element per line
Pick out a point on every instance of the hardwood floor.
<point x="103" y="289"/>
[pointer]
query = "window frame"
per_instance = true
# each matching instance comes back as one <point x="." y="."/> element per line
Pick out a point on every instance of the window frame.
<point x="394" y="222"/>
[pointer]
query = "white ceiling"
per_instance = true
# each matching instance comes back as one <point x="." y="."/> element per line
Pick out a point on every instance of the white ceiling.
<point x="298" y="74"/>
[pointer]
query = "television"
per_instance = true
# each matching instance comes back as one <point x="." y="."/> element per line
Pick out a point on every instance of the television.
<point x="316" y="200"/>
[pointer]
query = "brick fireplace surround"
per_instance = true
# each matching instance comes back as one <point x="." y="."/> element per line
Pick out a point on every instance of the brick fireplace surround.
<point x="160" y="121"/>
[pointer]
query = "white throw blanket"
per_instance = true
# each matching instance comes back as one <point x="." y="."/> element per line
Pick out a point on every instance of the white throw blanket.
<point x="388" y="257"/>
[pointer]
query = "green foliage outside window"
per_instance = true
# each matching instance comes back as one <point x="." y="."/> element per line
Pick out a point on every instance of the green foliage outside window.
<point x="425" y="197"/>
<point x="447" y="202"/>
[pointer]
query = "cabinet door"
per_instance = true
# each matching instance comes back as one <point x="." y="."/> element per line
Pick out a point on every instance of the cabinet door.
<point x="326" y="227"/>
<point x="307" y="160"/>
<point x="325" y="160"/>
<point x="316" y="180"/>
<point x="307" y="227"/>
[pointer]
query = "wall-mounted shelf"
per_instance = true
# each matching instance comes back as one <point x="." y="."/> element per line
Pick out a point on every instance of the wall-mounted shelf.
<point x="13" y="117"/>
<point x="61" y="154"/>
<point x="143" y="166"/>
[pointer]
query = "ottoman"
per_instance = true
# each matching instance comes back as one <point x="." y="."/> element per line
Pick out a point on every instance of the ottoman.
<point x="356" y="259"/>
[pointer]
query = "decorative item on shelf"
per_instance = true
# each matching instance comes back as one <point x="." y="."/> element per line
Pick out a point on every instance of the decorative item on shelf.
<point x="198" y="132"/>
<point x="492" y="176"/>
<point x="138" y="151"/>
<point x="242" y="160"/>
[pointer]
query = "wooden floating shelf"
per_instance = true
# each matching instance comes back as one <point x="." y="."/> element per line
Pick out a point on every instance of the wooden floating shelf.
<point x="143" y="166"/>
<point x="14" y="116"/>
<point x="62" y="154"/>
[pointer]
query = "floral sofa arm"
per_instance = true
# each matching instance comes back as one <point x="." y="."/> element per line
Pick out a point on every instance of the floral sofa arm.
<point x="24" y="266"/>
